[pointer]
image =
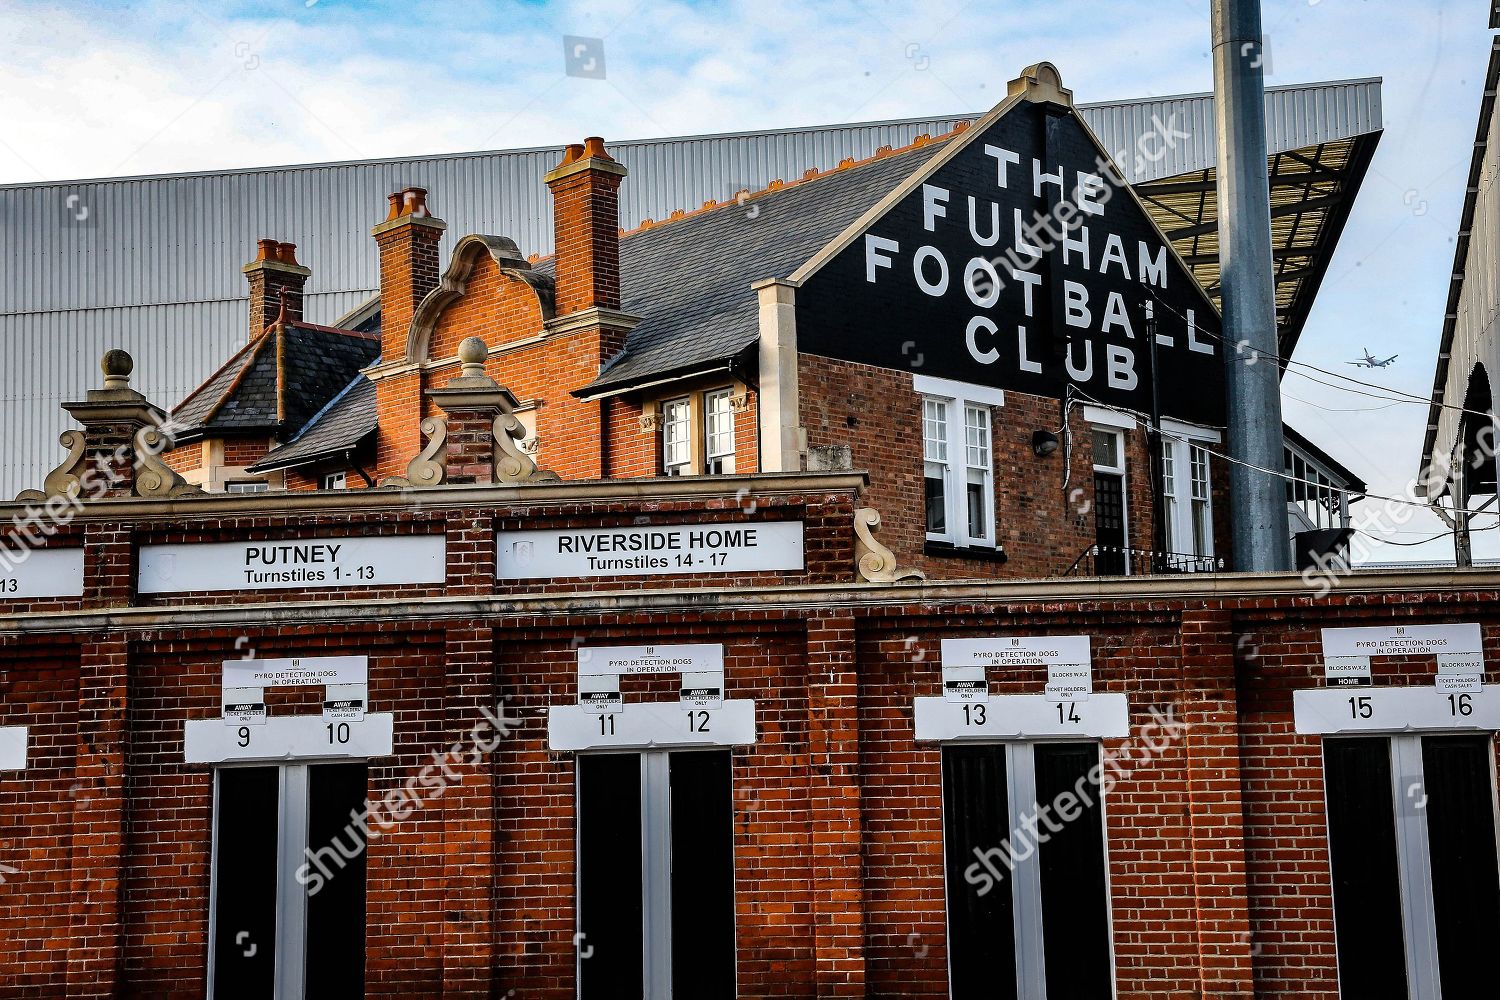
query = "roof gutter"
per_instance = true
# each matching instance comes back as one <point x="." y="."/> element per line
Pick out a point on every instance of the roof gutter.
<point x="729" y="366"/>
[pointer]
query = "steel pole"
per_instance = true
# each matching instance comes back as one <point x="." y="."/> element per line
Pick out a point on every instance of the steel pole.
<point x="1252" y="365"/>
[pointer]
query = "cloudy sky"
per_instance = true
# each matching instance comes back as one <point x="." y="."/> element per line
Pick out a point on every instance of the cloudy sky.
<point x="104" y="89"/>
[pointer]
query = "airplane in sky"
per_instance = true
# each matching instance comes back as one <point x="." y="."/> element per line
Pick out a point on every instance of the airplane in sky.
<point x="1371" y="361"/>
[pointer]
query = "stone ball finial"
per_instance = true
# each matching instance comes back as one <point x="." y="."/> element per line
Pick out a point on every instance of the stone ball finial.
<point x="472" y="354"/>
<point x="117" y="365"/>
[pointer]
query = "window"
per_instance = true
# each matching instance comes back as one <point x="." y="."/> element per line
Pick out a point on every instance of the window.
<point x="246" y="486"/>
<point x="958" y="467"/>
<point x="718" y="432"/>
<point x="1028" y="911"/>
<point x="335" y="480"/>
<point x="656" y="874"/>
<point x="676" y="437"/>
<point x="287" y="910"/>
<point x="1187" y="497"/>
<point x="1111" y="509"/>
<point x="935" y="454"/>
<point x="1411" y="836"/>
<point x="698" y="434"/>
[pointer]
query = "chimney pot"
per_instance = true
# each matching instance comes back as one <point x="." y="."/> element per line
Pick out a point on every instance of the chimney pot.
<point x="395" y="212"/>
<point x="593" y="146"/>
<point x="572" y="154"/>
<point x="276" y="283"/>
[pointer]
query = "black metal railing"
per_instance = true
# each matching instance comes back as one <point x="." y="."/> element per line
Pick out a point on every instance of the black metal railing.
<point x="1123" y="560"/>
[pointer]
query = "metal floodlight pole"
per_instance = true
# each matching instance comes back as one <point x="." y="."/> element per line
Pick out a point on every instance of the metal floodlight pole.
<point x="1252" y="364"/>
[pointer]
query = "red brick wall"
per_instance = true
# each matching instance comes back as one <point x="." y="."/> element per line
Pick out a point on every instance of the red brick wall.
<point x="1217" y="843"/>
<point x="38" y="688"/>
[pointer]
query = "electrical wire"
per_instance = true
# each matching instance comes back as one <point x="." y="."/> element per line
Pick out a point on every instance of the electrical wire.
<point x="1282" y="475"/>
<point x="1242" y="349"/>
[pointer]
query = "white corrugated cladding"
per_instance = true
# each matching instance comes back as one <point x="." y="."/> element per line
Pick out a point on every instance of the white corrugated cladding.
<point x="152" y="264"/>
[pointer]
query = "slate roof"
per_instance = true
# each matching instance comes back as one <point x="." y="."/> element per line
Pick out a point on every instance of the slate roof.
<point x="341" y="425"/>
<point x="689" y="279"/>
<point x="277" y="382"/>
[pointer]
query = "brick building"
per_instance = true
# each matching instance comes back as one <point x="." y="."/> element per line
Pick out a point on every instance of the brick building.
<point x="580" y="645"/>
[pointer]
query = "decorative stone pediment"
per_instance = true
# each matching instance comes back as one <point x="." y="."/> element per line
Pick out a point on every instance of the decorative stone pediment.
<point x="455" y="282"/>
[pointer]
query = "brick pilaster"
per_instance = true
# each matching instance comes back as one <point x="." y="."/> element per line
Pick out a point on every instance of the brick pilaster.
<point x="95" y="880"/>
<point x="836" y="815"/>
<point x="1215" y="806"/>
<point x="469" y="816"/>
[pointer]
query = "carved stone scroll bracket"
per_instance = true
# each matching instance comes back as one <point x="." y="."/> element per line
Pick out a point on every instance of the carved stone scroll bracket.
<point x="428" y="468"/>
<point x="153" y="477"/>
<point x="67" y="479"/>
<point x="874" y="563"/>
<point x="512" y="464"/>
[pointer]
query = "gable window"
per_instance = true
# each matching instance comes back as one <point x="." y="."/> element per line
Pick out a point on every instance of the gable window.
<point x="1187" y="504"/>
<point x="246" y="486"/>
<point x="335" y="480"/>
<point x="958" y="461"/>
<point x="697" y="432"/>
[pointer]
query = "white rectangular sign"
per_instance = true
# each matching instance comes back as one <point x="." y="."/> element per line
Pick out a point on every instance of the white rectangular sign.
<point x="1022" y="716"/>
<point x="651" y="724"/>
<point x="1464" y="683"/>
<point x="345" y="702"/>
<point x="703" y="657"/>
<point x="1016" y="651"/>
<point x="965" y="684"/>
<point x="292" y="737"/>
<point x="341" y="562"/>
<point x="43" y="573"/>
<point x="1461" y="664"/>
<point x="600" y="692"/>
<point x="12" y="748"/>
<point x="1346" y="671"/>
<point x="243" y="706"/>
<point x="1330" y="711"/>
<point x="705" y="690"/>
<point x="1401" y="640"/>
<point x="646" y="550"/>
<point x="297" y="671"/>
<point x="1069" y="681"/>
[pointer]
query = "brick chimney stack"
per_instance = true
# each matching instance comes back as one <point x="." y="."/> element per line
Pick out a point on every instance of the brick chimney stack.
<point x="408" y="242"/>
<point x="586" y="223"/>
<point x="274" y="273"/>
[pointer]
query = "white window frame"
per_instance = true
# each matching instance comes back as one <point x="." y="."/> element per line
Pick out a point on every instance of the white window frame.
<point x="1025" y="883"/>
<point x="292" y="850"/>
<point x="246" y="486"/>
<point x="723" y="456"/>
<point x="957" y="399"/>
<point x="334" y="480"/>
<point x="1117" y="432"/>
<point x="684" y="424"/>
<point x="1178" y="442"/>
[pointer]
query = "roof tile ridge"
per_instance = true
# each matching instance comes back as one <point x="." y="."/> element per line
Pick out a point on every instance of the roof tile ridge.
<point x="809" y="175"/>
<point x="250" y="349"/>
